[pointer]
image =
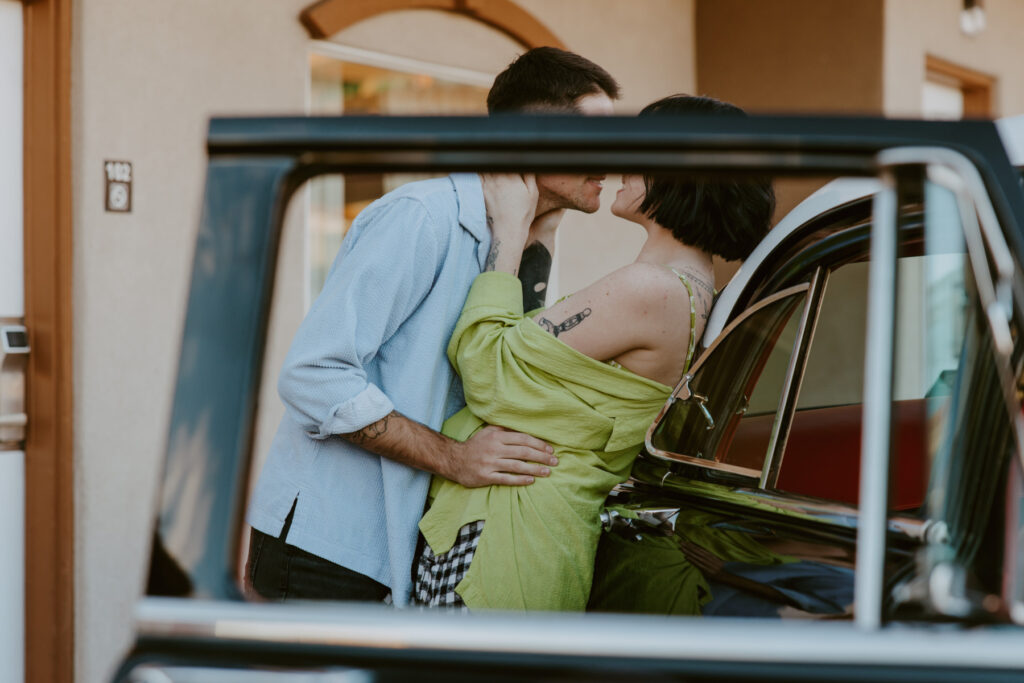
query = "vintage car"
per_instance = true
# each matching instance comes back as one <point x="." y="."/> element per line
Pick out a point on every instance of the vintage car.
<point x="842" y="467"/>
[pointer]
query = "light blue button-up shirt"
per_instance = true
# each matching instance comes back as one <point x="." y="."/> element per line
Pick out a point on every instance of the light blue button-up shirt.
<point x="374" y="341"/>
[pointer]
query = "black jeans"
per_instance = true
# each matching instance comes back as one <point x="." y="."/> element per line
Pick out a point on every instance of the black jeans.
<point x="278" y="571"/>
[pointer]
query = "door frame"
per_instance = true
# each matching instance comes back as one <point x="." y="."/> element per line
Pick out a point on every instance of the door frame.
<point x="49" y="474"/>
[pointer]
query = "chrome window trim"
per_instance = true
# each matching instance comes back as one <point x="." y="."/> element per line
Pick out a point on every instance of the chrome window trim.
<point x="869" y="576"/>
<point x="953" y="170"/>
<point x="684" y="382"/>
<point x="835" y="194"/>
<point x="209" y="673"/>
<point x="791" y="384"/>
<point x="984" y="240"/>
<point x="1013" y="563"/>
<point x="391" y="632"/>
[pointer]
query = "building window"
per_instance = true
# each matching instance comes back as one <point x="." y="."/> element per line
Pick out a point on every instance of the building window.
<point x="345" y="80"/>
<point x="952" y="91"/>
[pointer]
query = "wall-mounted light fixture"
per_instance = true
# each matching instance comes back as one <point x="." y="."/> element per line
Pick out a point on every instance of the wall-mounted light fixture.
<point x="972" y="17"/>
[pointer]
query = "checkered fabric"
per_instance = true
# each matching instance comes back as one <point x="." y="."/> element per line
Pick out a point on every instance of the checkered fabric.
<point x="438" y="575"/>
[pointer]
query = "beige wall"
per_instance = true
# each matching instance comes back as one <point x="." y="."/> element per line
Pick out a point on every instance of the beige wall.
<point x="810" y="56"/>
<point x="588" y="246"/>
<point x="650" y="53"/>
<point x="649" y="48"/>
<point x="148" y="74"/>
<point x="146" y="77"/>
<point x="917" y="28"/>
<point x="795" y="56"/>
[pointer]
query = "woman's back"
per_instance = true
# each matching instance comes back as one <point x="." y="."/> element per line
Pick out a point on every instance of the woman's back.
<point x="645" y="317"/>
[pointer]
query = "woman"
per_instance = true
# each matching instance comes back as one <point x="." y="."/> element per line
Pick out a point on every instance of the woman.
<point x="588" y="375"/>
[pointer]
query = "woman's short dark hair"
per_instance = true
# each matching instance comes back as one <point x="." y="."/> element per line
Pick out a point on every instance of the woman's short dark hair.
<point x="727" y="218"/>
<point x="546" y="77"/>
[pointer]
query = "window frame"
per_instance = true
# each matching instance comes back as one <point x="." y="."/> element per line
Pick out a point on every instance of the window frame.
<point x="811" y="304"/>
<point x="380" y="60"/>
<point x="216" y="389"/>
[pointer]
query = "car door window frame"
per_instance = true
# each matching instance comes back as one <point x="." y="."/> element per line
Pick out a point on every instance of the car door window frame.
<point x="682" y="391"/>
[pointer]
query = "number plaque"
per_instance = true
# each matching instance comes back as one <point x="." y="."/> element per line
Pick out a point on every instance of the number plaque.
<point x="119" y="186"/>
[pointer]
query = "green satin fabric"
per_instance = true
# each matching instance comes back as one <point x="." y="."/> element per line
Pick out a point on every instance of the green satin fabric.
<point x="539" y="541"/>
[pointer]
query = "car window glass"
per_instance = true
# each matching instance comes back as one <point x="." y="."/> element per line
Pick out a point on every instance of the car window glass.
<point x="736" y="391"/>
<point x="930" y="323"/>
<point x="834" y="375"/>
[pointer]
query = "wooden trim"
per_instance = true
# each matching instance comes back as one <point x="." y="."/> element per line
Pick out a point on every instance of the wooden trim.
<point x="49" y="491"/>
<point x="327" y="17"/>
<point x="976" y="86"/>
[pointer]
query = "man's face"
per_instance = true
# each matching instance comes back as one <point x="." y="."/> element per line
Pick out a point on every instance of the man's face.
<point x="582" y="193"/>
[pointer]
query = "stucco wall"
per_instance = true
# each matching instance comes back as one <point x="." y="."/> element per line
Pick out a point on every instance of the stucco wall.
<point x="808" y="56"/>
<point x="649" y="48"/>
<point x="917" y="28"/>
<point x="790" y="56"/>
<point x="588" y="246"/>
<point x="146" y="78"/>
<point x="147" y="75"/>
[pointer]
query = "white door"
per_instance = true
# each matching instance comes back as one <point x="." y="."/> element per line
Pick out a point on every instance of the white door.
<point x="12" y="310"/>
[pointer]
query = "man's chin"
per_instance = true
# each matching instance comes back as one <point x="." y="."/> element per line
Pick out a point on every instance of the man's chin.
<point x="587" y="207"/>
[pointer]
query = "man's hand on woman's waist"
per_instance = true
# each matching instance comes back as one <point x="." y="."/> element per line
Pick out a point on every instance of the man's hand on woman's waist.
<point x="493" y="455"/>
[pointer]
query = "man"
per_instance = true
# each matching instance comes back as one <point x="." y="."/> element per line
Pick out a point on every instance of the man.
<point x="366" y="382"/>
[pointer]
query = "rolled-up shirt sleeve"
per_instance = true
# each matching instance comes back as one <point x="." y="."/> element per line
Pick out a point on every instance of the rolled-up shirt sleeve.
<point x="383" y="271"/>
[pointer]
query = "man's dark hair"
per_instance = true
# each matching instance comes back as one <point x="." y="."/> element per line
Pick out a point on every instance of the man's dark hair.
<point x="546" y="77"/>
<point x="726" y="218"/>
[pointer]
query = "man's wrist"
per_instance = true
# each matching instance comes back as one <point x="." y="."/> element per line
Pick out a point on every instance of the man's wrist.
<point x="448" y="457"/>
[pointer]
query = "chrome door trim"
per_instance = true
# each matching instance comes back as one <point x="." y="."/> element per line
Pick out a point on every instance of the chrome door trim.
<point x="953" y="170"/>
<point x="683" y="386"/>
<point x="703" y="462"/>
<point x="869" y="578"/>
<point x="393" y="633"/>
<point x="841" y="515"/>
<point x="974" y="186"/>
<point x="200" y="673"/>
<point x="791" y="384"/>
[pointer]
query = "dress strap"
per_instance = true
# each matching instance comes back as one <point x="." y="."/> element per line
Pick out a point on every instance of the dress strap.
<point x="693" y="319"/>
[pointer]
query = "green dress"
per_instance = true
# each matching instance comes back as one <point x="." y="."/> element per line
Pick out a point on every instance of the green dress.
<point x="538" y="544"/>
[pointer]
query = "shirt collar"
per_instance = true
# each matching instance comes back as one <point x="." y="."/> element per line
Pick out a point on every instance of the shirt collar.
<point x="472" y="213"/>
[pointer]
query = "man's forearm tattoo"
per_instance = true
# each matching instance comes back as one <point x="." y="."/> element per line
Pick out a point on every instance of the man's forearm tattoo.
<point x="371" y="432"/>
<point x="534" y="270"/>
<point x="565" y="325"/>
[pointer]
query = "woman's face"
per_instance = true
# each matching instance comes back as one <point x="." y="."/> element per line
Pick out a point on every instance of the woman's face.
<point x="629" y="197"/>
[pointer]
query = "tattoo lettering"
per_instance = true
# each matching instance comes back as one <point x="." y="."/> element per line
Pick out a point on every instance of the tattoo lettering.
<point x="566" y="324"/>
<point x="492" y="255"/>
<point x="370" y="431"/>
<point x="534" y="270"/>
<point x="703" y="284"/>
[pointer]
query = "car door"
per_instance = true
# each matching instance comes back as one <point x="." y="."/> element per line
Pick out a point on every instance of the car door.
<point x="752" y="471"/>
<point x="718" y="510"/>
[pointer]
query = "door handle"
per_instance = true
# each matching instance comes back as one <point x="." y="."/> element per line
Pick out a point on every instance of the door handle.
<point x="14" y="420"/>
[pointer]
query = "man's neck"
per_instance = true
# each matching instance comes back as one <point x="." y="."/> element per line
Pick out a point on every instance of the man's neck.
<point x="545" y="204"/>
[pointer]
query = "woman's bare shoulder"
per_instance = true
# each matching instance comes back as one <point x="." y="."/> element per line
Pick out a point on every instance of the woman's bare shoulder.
<point x="646" y="281"/>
